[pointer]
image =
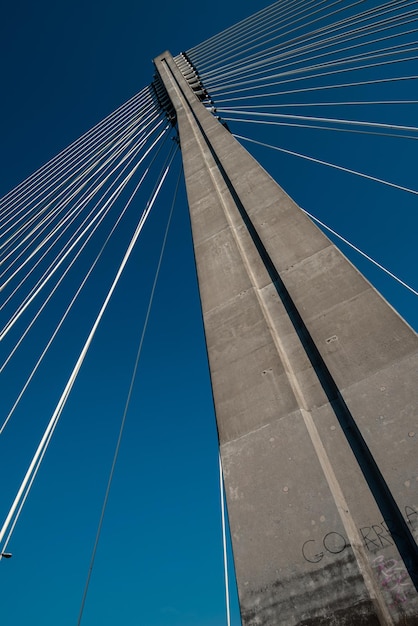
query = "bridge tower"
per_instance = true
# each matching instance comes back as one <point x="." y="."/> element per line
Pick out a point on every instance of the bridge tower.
<point x="315" y="390"/>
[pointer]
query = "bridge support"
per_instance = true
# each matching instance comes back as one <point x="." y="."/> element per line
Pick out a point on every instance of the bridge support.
<point x="316" y="396"/>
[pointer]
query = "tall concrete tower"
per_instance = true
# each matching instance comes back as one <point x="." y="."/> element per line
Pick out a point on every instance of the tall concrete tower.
<point x="315" y="385"/>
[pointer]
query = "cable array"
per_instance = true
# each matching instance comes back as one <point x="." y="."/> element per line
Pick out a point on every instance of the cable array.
<point x="317" y="82"/>
<point x="58" y="230"/>
<point x="331" y="84"/>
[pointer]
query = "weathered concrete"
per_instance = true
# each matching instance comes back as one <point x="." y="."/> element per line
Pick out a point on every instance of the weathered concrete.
<point x="316" y="396"/>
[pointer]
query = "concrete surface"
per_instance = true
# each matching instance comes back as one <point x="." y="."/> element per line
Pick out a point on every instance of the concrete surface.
<point x="315" y="387"/>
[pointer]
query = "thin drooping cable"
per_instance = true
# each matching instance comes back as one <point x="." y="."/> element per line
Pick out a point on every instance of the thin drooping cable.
<point x="127" y="403"/>
<point x="363" y="254"/>
<point x="333" y="165"/>
<point x="224" y="549"/>
<point x="46" y="438"/>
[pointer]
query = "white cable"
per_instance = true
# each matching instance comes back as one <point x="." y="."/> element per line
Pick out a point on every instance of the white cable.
<point x="320" y="75"/>
<point x="35" y="292"/>
<point x="225" y="555"/>
<point x="112" y="201"/>
<point x="82" y="201"/>
<point x="25" y="495"/>
<point x="337" y="167"/>
<point x="8" y="417"/>
<point x="310" y="118"/>
<point x="52" y="180"/>
<point x="90" y="218"/>
<point x="356" y="131"/>
<point x="292" y="105"/>
<point x="127" y="404"/>
<point x="62" y="401"/>
<point x="363" y="254"/>
<point x="243" y="25"/>
<point x="220" y="59"/>
<point x="107" y="153"/>
<point x="83" y="143"/>
<point x="251" y="36"/>
<point x="133" y="151"/>
<point x="315" y="34"/>
<point x="93" y="218"/>
<point x="287" y="49"/>
<point x="275" y="62"/>
<point x="320" y="66"/>
<point x="69" y="196"/>
<point x="320" y="88"/>
<point x="104" y="141"/>
<point x="72" y="145"/>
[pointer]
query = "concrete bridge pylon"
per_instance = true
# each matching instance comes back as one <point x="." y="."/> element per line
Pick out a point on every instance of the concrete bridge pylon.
<point x="314" y="380"/>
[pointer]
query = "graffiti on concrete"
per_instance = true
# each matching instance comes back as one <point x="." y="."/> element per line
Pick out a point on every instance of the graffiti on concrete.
<point x="333" y="543"/>
<point x="394" y="579"/>
<point x="375" y="538"/>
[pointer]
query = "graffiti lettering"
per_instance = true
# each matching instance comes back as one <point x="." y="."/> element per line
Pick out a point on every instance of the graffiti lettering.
<point x="393" y="578"/>
<point x="333" y="542"/>
<point x="411" y="516"/>
<point x="376" y="537"/>
<point x="309" y="553"/>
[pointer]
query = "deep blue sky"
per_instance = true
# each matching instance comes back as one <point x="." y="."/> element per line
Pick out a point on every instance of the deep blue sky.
<point x="64" y="67"/>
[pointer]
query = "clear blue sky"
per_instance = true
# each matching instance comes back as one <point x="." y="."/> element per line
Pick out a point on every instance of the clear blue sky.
<point x="65" y="66"/>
